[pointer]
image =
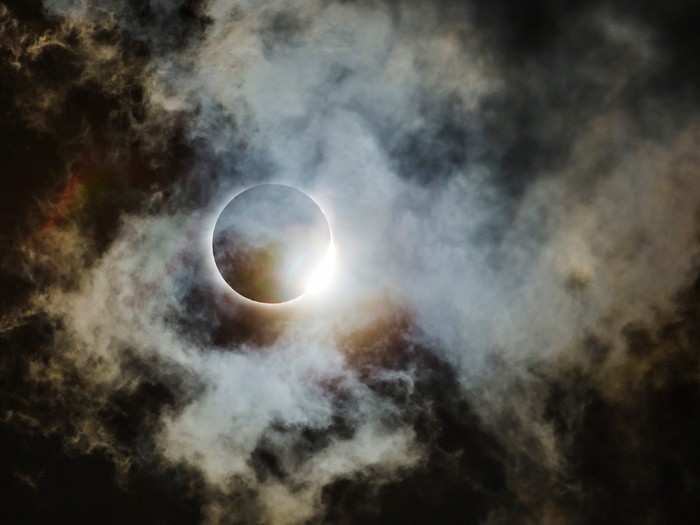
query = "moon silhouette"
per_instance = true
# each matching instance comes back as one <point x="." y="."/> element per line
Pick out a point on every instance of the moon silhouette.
<point x="271" y="242"/>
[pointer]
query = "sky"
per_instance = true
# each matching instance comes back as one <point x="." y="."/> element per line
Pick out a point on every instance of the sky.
<point x="510" y="332"/>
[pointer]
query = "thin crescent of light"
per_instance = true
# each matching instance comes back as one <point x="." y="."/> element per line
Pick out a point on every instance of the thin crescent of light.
<point x="324" y="266"/>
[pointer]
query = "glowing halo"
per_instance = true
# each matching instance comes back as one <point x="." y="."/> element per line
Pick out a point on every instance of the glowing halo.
<point x="252" y="236"/>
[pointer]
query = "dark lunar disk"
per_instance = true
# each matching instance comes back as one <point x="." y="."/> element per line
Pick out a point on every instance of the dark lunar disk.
<point x="268" y="241"/>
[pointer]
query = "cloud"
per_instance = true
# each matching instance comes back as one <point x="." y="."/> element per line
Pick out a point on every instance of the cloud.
<point x="506" y="215"/>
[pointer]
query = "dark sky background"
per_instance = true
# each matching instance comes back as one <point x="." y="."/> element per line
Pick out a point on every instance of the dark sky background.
<point x="577" y="125"/>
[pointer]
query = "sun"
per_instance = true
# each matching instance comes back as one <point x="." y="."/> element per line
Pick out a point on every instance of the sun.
<point x="322" y="275"/>
<point x="272" y="245"/>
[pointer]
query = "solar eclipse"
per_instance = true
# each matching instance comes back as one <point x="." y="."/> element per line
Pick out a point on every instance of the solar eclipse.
<point x="272" y="244"/>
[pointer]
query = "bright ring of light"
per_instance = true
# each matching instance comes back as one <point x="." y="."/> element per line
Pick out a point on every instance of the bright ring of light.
<point x="313" y="282"/>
